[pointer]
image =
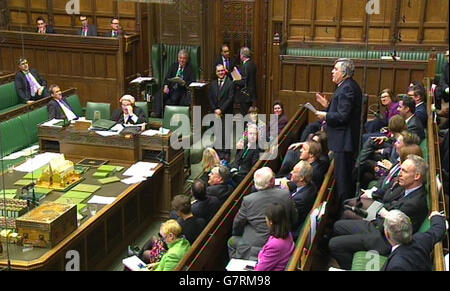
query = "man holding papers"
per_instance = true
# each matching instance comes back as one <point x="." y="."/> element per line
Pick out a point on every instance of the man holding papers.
<point x="58" y="108"/>
<point x="129" y="113"/>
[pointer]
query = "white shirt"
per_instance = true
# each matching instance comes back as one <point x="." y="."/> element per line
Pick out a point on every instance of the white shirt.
<point x="69" y="114"/>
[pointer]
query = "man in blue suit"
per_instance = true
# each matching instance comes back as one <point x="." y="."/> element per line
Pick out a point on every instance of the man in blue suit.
<point x="418" y="93"/>
<point x="342" y="118"/>
<point x="411" y="252"/>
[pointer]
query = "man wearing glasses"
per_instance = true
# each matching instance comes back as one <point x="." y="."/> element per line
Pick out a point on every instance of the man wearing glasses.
<point x="86" y="28"/>
<point x="30" y="86"/>
<point x="116" y="30"/>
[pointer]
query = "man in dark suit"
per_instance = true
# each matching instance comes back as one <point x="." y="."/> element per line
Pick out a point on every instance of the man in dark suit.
<point x="57" y="107"/>
<point x="246" y="92"/>
<point x="30" y="86"/>
<point x="305" y="193"/>
<point x="418" y="93"/>
<point x="407" y="109"/>
<point x="128" y="113"/>
<point x="42" y="26"/>
<point x="351" y="236"/>
<point x="411" y="252"/>
<point x="225" y="60"/>
<point x="86" y="29"/>
<point x="204" y="206"/>
<point x="116" y="30"/>
<point x="218" y="184"/>
<point x="343" y="124"/>
<point x="221" y="101"/>
<point x="250" y="231"/>
<point x="192" y="226"/>
<point x="175" y="91"/>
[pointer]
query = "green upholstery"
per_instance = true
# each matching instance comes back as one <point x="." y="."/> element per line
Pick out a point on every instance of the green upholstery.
<point x="74" y="102"/>
<point x="8" y="98"/>
<point x="440" y="60"/>
<point x="144" y="106"/>
<point x="365" y="261"/>
<point x="31" y="121"/>
<point x="424" y="148"/>
<point x="174" y="117"/>
<point x="164" y="55"/>
<point x="104" y="108"/>
<point x="13" y="136"/>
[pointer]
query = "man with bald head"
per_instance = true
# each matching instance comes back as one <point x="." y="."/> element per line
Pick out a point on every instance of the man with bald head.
<point x="250" y="231"/>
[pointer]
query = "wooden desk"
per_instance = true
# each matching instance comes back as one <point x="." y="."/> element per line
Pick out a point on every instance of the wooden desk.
<point x="125" y="150"/>
<point x="98" y="238"/>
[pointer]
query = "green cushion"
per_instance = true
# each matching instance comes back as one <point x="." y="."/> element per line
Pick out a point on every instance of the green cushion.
<point x="13" y="136"/>
<point x="74" y="102"/>
<point x="144" y="106"/>
<point x="31" y="121"/>
<point x="424" y="148"/>
<point x="8" y="96"/>
<point x="173" y="116"/>
<point x="11" y="108"/>
<point x="368" y="261"/>
<point x="440" y="60"/>
<point x="104" y="108"/>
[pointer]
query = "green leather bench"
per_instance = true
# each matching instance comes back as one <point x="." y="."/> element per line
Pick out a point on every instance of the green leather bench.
<point x="8" y="98"/>
<point x="74" y="102"/>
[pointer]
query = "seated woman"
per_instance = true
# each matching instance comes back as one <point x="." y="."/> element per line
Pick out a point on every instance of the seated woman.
<point x="247" y="156"/>
<point x="129" y="113"/>
<point x="210" y="160"/>
<point x="388" y="100"/>
<point x="170" y="232"/>
<point x="278" y="249"/>
<point x="254" y="119"/>
<point x="278" y="109"/>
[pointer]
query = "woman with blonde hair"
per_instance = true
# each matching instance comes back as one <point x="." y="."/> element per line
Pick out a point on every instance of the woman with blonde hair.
<point x="210" y="160"/>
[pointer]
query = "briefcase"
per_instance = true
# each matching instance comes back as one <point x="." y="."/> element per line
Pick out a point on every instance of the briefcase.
<point x="48" y="224"/>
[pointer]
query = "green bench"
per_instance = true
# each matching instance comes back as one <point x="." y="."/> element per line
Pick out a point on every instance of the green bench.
<point x="8" y="98"/>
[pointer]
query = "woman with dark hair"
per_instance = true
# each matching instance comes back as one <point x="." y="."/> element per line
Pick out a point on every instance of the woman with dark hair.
<point x="275" y="254"/>
<point x="278" y="109"/>
<point x="389" y="101"/>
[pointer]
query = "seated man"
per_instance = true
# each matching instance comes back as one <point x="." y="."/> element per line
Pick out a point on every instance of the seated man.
<point x="351" y="236"/>
<point x="42" y="27"/>
<point x="218" y="184"/>
<point x="418" y="93"/>
<point x="191" y="225"/>
<point x="250" y="231"/>
<point x="57" y="107"/>
<point x="176" y="83"/>
<point x="128" y="113"/>
<point x="30" y="86"/>
<point x="86" y="29"/>
<point x="116" y="30"/>
<point x="407" y="109"/>
<point x="411" y="252"/>
<point x="204" y="206"/>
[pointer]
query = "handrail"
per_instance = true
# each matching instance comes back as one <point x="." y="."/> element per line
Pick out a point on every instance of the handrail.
<point x="218" y="229"/>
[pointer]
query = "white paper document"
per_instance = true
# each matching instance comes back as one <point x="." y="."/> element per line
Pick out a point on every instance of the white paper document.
<point x="106" y="133"/>
<point x="133" y="180"/>
<point x="310" y="107"/>
<point x="151" y="132"/>
<point x="197" y="84"/>
<point x="96" y="199"/>
<point x="142" y="79"/>
<point x="141" y="169"/>
<point x="52" y="123"/>
<point x="135" y="264"/>
<point x="37" y="162"/>
<point x="239" y="265"/>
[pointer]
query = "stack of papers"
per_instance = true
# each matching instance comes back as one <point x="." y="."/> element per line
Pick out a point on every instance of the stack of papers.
<point x="239" y="265"/>
<point x="101" y="200"/>
<point x="135" y="264"/>
<point x="37" y="162"/>
<point x="151" y="132"/>
<point x="142" y="79"/>
<point x="53" y="123"/>
<point x="139" y="172"/>
<point x="23" y="153"/>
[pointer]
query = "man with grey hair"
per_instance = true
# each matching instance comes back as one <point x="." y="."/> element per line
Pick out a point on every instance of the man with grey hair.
<point x="342" y="118"/>
<point x="411" y="252"/>
<point x="246" y="88"/>
<point x="128" y="113"/>
<point x="351" y="236"/>
<point x="176" y="83"/>
<point x="250" y="231"/>
<point x="218" y="183"/>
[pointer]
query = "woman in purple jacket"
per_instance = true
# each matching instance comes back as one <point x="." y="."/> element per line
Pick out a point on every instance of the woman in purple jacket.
<point x="275" y="254"/>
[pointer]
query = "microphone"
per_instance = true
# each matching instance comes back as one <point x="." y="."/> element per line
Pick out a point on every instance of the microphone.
<point x="358" y="211"/>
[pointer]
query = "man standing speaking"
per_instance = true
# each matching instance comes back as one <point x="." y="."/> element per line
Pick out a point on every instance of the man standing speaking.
<point x="342" y="119"/>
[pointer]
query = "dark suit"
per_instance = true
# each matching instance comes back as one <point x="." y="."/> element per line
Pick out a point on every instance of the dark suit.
<point x="320" y="168"/>
<point x="244" y="161"/>
<point x="220" y="61"/>
<point x="343" y="125"/>
<point x="360" y="235"/>
<point x="416" y="255"/>
<point x="207" y="208"/>
<point x="221" y="191"/>
<point x="414" y="125"/>
<point x="304" y="201"/>
<point x="421" y="114"/>
<point x="23" y="87"/>
<point x="92" y="30"/>
<point x="55" y="110"/>
<point x="48" y="29"/>
<point x="118" y="117"/>
<point x="246" y="92"/>
<point x="110" y="33"/>
<point x="250" y="231"/>
<point x="192" y="227"/>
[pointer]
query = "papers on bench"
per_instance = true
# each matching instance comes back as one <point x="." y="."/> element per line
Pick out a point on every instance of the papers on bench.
<point x="37" y="162"/>
<point x="133" y="180"/>
<point x="197" y="84"/>
<point x="142" y="79"/>
<point x="139" y="172"/>
<point x="53" y="123"/>
<point x="151" y="132"/>
<point x="239" y="265"/>
<point x="310" y="107"/>
<point x="23" y="153"/>
<point x="135" y="264"/>
<point x="101" y="200"/>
